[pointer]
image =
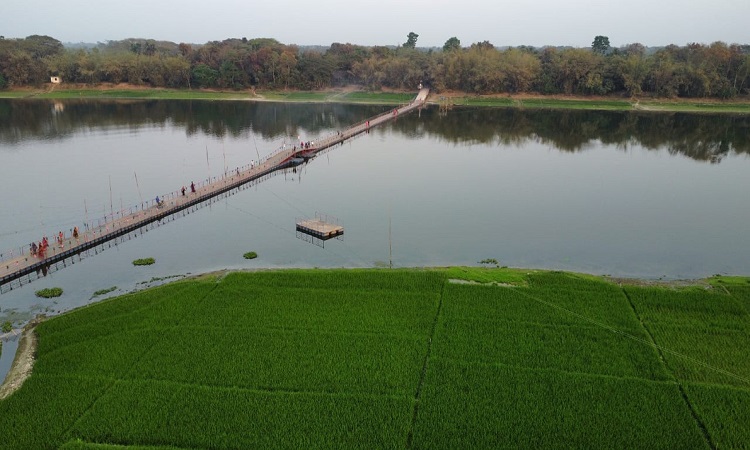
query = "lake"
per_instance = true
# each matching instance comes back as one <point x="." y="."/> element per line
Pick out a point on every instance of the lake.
<point x="647" y="195"/>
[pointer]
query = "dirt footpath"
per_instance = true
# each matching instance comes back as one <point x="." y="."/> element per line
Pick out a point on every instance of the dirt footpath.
<point x="23" y="363"/>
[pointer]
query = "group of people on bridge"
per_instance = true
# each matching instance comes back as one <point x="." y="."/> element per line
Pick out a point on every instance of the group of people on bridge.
<point x="305" y="145"/>
<point x="192" y="189"/>
<point x="40" y="249"/>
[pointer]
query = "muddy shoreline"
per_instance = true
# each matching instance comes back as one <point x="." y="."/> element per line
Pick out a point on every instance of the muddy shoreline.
<point x="23" y="363"/>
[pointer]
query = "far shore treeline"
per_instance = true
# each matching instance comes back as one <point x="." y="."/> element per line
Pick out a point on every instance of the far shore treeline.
<point x="718" y="70"/>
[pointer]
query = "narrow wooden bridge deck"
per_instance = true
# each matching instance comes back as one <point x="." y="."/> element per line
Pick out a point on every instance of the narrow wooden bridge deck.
<point x="15" y="267"/>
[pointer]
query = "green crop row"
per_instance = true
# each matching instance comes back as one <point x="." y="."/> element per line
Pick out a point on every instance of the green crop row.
<point x="485" y="406"/>
<point x="38" y="415"/>
<point x="515" y="277"/>
<point x="705" y="355"/>
<point x="78" y="444"/>
<point x="359" y="279"/>
<point x="561" y="347"/>
<point x="119" y="310"/>
<point x="697" y="307"/>
<point x="158" y="413"/>
<point x="742" y="293"/>
<point x="599" y="305"/>
<point x="703" y="334"/>
<point x="110" y="356"/>
<point x="333" y="309"/>
<point x="320" y="358"/>
<point x="286" y="360"/>
<point x="725" y="412"/>
<point x="160" y="308"/>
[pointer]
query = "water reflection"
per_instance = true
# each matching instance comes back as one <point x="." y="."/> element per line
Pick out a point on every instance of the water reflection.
<point x="702" y="137"/>
<point x="697" y="136"/>
<point x="22" y="120"/>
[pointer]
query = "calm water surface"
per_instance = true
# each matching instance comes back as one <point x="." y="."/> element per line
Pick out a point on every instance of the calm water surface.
<point x="625" y="194"/>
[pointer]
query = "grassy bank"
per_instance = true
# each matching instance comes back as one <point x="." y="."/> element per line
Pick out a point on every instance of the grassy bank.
<point x="537" y="102"/>
<point x="386" y="98"/>
<point x="127" y="94"/>
<point x="391" y="98"/>
<point x="183" y="94"/>
<point x="583" y="103"/>
<point x="459" y="357"/>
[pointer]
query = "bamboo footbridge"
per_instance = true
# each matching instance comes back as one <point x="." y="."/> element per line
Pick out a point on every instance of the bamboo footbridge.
<point x="19" y="266"/>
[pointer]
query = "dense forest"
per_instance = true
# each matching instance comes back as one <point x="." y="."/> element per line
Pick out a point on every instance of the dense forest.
<point x="696" y="70"/>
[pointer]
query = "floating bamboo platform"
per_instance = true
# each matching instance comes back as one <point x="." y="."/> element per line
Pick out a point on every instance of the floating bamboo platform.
<point x="319" y="229"/>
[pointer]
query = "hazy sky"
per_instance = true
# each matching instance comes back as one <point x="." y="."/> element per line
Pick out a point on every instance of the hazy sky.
<point x="384" y="22"/>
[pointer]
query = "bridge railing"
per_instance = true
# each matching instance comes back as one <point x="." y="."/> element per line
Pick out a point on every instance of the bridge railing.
<point x="99" y="224"/>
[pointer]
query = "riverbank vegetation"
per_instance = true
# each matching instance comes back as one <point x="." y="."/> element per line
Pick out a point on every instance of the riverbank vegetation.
<point x="352" y="96"/>
<point x="469" y="357"/>
<point x="103" y="291"/>
<point x="718" y="70"/>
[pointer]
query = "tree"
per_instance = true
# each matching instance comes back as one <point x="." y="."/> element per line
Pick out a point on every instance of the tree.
<point x="21" y="69"/>
<point x="370" y="72"/>
<point x="176" y="71"/>
<point x="287" y="65"/>
<point x="42" y="46"/>
<point x="316" y="71"/>
<point x="205" y="76"/>
<point x="633" y="69"/>
<point x="661" y="78"/>
<point x="484" y="45"/>
<point x="519" y="69"/>
<point x="186" y="50"/>
<point x="149" y="49"/>
<point x="600" y="45"/>
<point x="3" y="83"/>
<point x="452" y="44"/>
<point x="411" y="40"/>
<point x="636" y="49"/>
<point x="342" y="58"/>
<point x="229" y="74"/>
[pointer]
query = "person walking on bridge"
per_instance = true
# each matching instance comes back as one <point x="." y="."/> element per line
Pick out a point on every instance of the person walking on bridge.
<point x="192" y="187"/>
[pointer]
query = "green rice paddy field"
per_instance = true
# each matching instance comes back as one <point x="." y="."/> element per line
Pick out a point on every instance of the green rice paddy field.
<point x="393" y="359"/>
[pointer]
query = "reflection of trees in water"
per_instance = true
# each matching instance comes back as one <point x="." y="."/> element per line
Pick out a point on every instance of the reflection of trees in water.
<point x="701" y="137"/>
<point x="37" y="119"/>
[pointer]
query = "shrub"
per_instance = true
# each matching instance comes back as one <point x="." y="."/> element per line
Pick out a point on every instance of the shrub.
<point x="50" y="292"/>
<point x="7" y="326"/>
<point x="250" y="255"/>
